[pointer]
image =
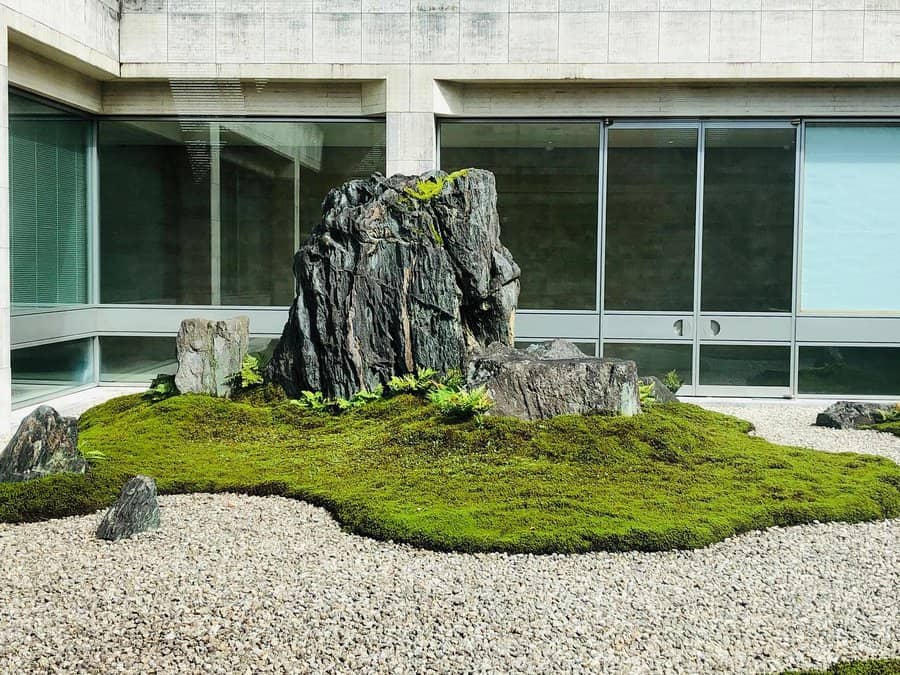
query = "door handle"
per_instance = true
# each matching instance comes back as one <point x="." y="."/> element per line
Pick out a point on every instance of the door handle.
<point x="679" y="327"/>
<point x="714" y="327"/>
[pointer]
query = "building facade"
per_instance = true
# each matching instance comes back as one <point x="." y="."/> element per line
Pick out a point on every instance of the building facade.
<point x="709" y="186"/>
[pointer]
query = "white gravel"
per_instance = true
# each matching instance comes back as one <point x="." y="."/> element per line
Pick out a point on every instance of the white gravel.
<point x="248" y="584"/>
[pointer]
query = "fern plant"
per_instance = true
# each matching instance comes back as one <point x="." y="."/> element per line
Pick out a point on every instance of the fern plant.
<point x="91" y="455"/>
<point x="250" y="374"/>
<point x="420" y="382"/>
<point x="460" y="404"/>
<point x="672" y="381"/>
<point x="162" y="387"/>
<point x="648" y="395"/>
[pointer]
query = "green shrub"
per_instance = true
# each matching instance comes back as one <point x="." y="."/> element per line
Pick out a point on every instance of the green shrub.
<point x="672" y="381"/>
<point x="460" y="404"/>
<point x="418" y="383"/>
<point x="251" y="373"/>
<point x="648" y="396"/>
<point x="162" y="387"/>
<point x="316" y="401"/>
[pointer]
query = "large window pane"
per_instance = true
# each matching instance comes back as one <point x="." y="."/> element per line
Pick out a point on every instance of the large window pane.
<point x="547" y="187"/>
<point x="846" y="371"/>
<point x="651" y="189"/>
<point x="49" y="370"/>
<point x="48" y="205"/>
<point x="745" y="365"/>
<point x="748" y="220"/>
<point x="850" y="234"/>
<point x="211" y="212"/>
<point x="136" y="359"/>
<point x="654" y="359"/>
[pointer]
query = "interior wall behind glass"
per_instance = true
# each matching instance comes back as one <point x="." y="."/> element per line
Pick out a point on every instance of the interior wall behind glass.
<point x="850" y="236"/>
<point x="48" y="167"/>
<point x="211" y="212"/>
<point x="547" y="193"/>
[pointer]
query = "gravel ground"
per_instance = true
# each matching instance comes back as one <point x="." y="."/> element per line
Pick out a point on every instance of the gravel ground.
<point x="251" y="584"/>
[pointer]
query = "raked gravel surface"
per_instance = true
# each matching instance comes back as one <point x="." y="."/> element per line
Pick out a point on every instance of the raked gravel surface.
<point x="234" y="584"/>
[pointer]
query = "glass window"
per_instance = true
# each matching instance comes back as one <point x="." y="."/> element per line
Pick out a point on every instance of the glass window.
<point x="745" y="365"/>
<point x="651" y="189"/>
<point x="748" y="220"/>
<point x="135" y="359"/>
<point x="588" y="348"/>
<point x="851" y="239"/>
<point x="873" y="371"/>
<point x="211" y="212"/>
<point x="50" y="370"/>
<point x="654" y="359"/>
<point x="547" y="187"/>
<point x="48" y="171"/>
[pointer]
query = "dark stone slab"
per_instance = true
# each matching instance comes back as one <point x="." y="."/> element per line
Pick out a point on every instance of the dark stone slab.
<point x="136" y="510"/>
<point x="538" y="384"/>
<point x="45" y="443"/>
<point x="391" y="281"/>
<point x="851" y="414"/>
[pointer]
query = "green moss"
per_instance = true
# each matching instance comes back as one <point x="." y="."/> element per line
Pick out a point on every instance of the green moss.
<point x="876" y="667"/>
<point x="676" y="476"/>
<point x="431" y="188"/>
<point x="892" y="427"/>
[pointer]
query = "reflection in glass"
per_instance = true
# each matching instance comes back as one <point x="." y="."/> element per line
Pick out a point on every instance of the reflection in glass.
<point x="748" y="220"/>
<point x="654" y="359"/>
<point x="49" y="370"/>
<point x="211" y="212"/>
<point x="135" y="359"/>
<point x="745" y="365"/>
<point x="651" y="189"/>
<point x="547" y="186"/>
<point x="850" y="234"/>
<point x="48" y="173"/>
<point x="588" y="348"/>
<point x="860" y="371"/>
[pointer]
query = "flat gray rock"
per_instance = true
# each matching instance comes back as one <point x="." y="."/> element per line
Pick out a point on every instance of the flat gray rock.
<point x="542" y="383"/>
<point x="851" y="414"/>
<point x="136" y="510"/>
<point x="209" y="352"/>
<point x="45" y="443"/>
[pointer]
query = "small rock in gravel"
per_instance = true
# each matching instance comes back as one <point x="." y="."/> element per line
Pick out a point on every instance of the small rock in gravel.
<point x="136" y="510"/>
<point x="851" y="414"/>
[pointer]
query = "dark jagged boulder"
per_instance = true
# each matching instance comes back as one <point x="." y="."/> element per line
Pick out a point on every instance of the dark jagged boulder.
<point x="851" y="414"/>
<point x="402" y="272"/>
<point x="44" y="443"/>
<point x="136" y="510"/>
<point x="554" y="379"/>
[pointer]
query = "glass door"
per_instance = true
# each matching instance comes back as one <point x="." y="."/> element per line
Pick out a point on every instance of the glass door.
<point x="699" y="253"/>
<point x="746" y="252"/>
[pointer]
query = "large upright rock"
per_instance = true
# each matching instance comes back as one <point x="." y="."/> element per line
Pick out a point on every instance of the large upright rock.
<point x="44" y="443"/>
<point x="402" y="272"/>
<point x="136" y="510"/>
<point x="554" y="379"/>
<point x="209" y="352"/>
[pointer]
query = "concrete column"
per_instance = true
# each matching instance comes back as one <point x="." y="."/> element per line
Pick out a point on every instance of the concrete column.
<point x="410" y="142"/>
<point x="5" y="325"/>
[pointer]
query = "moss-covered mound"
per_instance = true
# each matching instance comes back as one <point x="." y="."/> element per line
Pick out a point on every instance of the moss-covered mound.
<point x="677" y="476"/>
<point x="892" y="427"/>
<point x="877" y="667"/>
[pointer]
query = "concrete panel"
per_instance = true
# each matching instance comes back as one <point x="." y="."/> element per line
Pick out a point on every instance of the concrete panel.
<point x="787" y="5"/>
<point x="337" y="38"/>
<point x="583" y="5"/>
<point x="192" y="6"/>
<point x="583" y="37"/>
<point x="484" y="5"/>
<point x="734" y="36"/>
<point x="35" y="73"/>
<point x="385" y="38"/>
<point x="144" y="37"/>
<point x="533" y="5"/>
<point x="837" y="36"/>
<point x="192" y="37"/>
<point x="633" y="37"/>
<point x="149" y="6"/>
<point x="435" y="37"/>
<point x="385" y="5"/>
<point x="839" y="4"/>
<point x="446" y="6"/>
<point x="684" y="6"/>
<point x="288" y="38"/>
<point x="288" y="6"/>
<point x="633" y="5"/>
<point x="735" y="5"/>
<point x="683" y="37"/>
<point x="484" y="37"/>
<point x="240" y="38"/>
<point x="533" y="38"/>
<point x="882" y="36"/>
<point x="786" y="36"/>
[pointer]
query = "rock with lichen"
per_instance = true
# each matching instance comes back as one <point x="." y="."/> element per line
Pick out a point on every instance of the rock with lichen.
<point x="402" y="272"/>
